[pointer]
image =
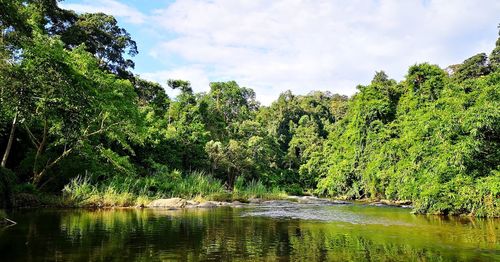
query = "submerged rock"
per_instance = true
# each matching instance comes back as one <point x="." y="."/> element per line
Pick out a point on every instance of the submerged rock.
<point x="398" y="203"/>
<point x="340" y="202"/>
<point x="192" y="204"/>
<point x="277" y="203"/>
<point x="403" y="202"/>
<point x="254" y="200"/>
<point x="319" y="201"/>
<point x="208" y="204"/>
<point x="168" y="203"/>
<point x="378" y="204"/>
<point x="308" y="200"/>
<point x="237" y="204"/>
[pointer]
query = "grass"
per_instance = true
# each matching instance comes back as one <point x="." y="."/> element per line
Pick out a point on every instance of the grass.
<point x="139" y="191"/>
<point x="82" y="192"/>
<point x="255" y="189"/>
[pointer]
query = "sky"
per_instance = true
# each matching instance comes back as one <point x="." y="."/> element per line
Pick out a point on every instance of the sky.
<point x="297" y="45"/>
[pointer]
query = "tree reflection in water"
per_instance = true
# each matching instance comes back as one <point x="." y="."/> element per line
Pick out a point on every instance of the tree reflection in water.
<point x="232" y="234"/>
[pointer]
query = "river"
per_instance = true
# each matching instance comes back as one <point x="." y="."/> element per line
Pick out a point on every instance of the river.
<point x="275" y="232"/>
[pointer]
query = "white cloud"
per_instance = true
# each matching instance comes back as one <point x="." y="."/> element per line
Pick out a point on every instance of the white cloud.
<point x="272" y="46"/>
<point x="111" y="7"/>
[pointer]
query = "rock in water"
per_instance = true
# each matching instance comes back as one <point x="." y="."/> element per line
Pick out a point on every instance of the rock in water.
<point x="192" y="203"/>
<point x="254" y="200"/>
<point x="208" y="204"/>
<point x="168" y="203"/>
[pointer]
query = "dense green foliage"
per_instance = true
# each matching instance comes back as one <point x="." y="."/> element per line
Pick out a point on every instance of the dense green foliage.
<point x="72" y="112"/>
<point x="428" y="139"/>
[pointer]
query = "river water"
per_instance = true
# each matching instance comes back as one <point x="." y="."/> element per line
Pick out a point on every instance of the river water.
<point x="276" y="232"/>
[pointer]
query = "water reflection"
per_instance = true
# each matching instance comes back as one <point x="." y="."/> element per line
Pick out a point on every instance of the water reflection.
<point x="336" y="233"/>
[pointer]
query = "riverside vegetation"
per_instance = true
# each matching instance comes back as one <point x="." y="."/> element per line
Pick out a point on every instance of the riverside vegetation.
<point x="76" y="123"/>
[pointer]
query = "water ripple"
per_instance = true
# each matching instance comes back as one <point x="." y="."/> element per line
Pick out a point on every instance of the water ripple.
<point x="317" y="213"/>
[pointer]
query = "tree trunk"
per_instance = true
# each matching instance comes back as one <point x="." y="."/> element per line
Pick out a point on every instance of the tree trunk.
<point x="230" y="180"/>
<point x="40" y="147"/>
<point x="11" y="140"/>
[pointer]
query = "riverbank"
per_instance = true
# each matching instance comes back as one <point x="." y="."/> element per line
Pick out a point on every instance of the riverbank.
<point x="196" y="191"/>
<point x="230" y="199"/>
<point x="128" y="200"/>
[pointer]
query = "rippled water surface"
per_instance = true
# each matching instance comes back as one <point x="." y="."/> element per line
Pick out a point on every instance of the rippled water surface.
<point x="274" y="232"/>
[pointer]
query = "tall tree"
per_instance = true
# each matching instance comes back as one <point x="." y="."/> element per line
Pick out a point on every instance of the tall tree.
<point x="473" y="67"/>
<point x="104" y="38"/>
<point x="495" y="54"/>
<point x="70" y="101"/>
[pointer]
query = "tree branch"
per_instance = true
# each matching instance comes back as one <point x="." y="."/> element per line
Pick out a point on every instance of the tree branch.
<point x="31" y="136"/>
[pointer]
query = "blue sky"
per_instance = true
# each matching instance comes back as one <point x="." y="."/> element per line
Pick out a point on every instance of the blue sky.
<point x="298" y="45"/>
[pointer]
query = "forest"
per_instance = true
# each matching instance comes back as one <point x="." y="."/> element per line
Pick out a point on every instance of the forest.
<point x="78" y="127"/>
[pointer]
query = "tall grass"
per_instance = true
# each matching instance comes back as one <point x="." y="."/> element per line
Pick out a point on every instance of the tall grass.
<point x="197" y="184"/>
<point x="79" y="190"/>
<point x="256" y="189"/>
<point x="130" y="191"/>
